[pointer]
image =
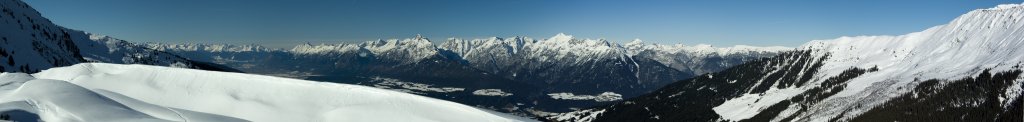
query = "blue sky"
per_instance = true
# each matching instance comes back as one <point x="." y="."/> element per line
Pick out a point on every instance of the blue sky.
<point x="283" y="23"/>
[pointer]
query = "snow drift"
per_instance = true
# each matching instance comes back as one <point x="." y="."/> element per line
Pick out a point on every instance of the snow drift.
<point x="113" y="92"/>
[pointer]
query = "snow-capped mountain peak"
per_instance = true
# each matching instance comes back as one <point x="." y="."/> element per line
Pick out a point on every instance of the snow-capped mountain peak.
<point x="209" y="47"/>
<point x="1005" y="6"/>
<point x="978" y="40"/>
<point x="947" y="72"/>
<point x="324" y="48"/>
<point x="560" y="62"/>
<point x="635" y="42"/>
<point x="986" y="31"/>
<point x="409" y="50"/>
<point x="561" y="38"/>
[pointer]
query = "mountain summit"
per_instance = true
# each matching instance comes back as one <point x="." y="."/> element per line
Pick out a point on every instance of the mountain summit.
<point x="967" y="70"/>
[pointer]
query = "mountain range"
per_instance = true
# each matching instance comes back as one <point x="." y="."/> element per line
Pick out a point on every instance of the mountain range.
<point x="537" y="73"/>
<point x="967" y="70"/>
<point x="517" y="74"/>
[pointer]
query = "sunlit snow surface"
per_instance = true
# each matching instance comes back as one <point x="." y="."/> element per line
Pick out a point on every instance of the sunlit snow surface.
<point x="112" y="92"/>
<point x="491" y="92"/>
<point x="979" y="40"/>
<point x="603" y="97"/>
<point x="410" y="87"/>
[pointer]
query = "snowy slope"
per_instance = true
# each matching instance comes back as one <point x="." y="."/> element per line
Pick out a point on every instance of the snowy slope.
<point x="56" y="100"/>
<point x="113" y="92"/>
<point x="985" y="39"/>
<point x="30" y="42"/>
<point x="967" y="70"/>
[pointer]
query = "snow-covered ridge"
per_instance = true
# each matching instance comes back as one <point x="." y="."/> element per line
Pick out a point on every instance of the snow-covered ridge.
<point x="409" y="50"/>
<point x="209" y="47"/>
<point x="324" y="48"/>
<point x="637" y="46"/>
<point x="982" y="38"/>
<point x="943" y="58"/>
<point x="31" y="43"/>
<point x="55" y="100"/>
<point x="563" y="48"/>
<point x="141" y="92"/>
<point x="105" y="49"/>
<point x="1005" y="6"/>
<point x="559" y="46"/>
<point x="978" y="40"/>
<point x="569" y="45"/>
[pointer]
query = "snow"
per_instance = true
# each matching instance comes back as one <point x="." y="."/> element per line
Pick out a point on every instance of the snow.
<point x="491" y="92"/>
<point x="32" y="43"/>
<point x="979" y="40"/>
<point x="178" y="65"/>
<point x="405" y="50"/>
<point x="29" y="42"/>
<point x="564" y="45"/>
<point x="324" y="48"/>
<point x="683" y="57"/>
<point x="578" y="116"/>
<point x="603" y="97"/>
<point x="207" y="47"/>
<point x="410" y="87"/>
<point x="294" y="74"/>
<point x="415" y="49"/>
<point x="106" y="49"/>
<point x="112" y="92"/>
<point x="1004" y="6"/>
<point x="56" y="100"/>
<point x="748" y="105"/>
<point x="1014" y="91"/>
<point x="564" y="49"/>
<point x="561" y="38"/>
<point x="636" y="46"/>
